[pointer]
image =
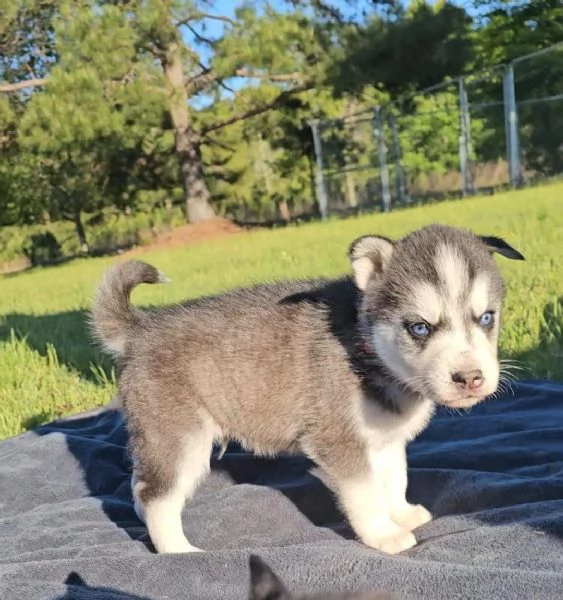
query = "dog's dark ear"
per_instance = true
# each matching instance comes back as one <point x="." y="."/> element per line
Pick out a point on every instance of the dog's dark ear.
<point x="264" y="584"/>
<point x="74" y="578"/>
<point x="498" y="245"/>
<point x="370" y="256"/>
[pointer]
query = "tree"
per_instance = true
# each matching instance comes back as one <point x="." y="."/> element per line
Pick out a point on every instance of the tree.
<point x="510" y="29"/>
<point x="416" y="48"/>
<point x="160" y="48"/>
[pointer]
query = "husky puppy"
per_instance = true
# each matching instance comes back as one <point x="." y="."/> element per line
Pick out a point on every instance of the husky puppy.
<point x="346" y="371"/>
<point x="266" y="585"/>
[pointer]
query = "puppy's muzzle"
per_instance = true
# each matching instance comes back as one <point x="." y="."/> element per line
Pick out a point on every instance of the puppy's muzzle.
<point x="470" y="381"/>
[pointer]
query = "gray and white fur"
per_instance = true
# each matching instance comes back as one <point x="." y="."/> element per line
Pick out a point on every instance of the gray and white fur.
<point x="345" y="371"/>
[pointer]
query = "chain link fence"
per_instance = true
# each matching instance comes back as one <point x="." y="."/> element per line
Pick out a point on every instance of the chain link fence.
<point x="502" y="127"/>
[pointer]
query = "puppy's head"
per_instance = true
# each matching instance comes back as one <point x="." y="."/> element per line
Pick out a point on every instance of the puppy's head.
<point x="430" y="309"/>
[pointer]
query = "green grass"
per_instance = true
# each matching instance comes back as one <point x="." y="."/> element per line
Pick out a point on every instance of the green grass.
<point x="48" y="367"/>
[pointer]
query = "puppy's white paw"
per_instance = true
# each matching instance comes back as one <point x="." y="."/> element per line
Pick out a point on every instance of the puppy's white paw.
<point x="179" y="547"/>
<point x="394" y="544"/>
<point x="411" y="516"/>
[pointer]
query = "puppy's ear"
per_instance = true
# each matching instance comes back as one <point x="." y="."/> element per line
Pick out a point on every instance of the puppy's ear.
<point x="264" y="584"/>
<point x="370" y="256"/>
<point x="498" y="245"/>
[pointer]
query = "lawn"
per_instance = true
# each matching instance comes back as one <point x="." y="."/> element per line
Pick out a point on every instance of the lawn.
<point x="48" y="366"/>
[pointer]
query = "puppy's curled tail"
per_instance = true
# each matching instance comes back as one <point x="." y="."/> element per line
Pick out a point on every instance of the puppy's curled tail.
<point x="112" y="316"/>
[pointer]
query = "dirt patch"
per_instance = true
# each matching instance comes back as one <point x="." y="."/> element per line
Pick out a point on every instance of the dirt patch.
<point x="190" y="234"/>
<point x="15" y="266"/>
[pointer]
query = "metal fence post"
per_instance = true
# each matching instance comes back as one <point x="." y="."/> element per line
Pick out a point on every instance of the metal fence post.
<point x="321" y="189"/>
<point x="402" y="192"/>
<point x="511" y="122"/>
<point x="464" y="140"/>
<point x="378" y="130"/>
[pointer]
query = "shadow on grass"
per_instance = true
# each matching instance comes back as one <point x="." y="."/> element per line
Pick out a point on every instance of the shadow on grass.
<point x="67" y="333"/>
<point x="545" y="360"/>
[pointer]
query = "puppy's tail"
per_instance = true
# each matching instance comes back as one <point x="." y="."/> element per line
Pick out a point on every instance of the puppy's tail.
<point x="112" y="316"/>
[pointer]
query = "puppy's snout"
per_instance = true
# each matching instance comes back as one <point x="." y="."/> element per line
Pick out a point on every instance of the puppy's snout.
<point x="469" y="380"/>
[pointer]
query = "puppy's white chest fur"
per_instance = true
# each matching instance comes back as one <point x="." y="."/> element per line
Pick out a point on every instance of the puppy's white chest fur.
<point x="382" y="427"/>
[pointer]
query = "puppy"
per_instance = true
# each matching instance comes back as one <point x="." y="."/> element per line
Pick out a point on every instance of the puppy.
<point x="346" y="371"/>
<point x="265" y="585"/>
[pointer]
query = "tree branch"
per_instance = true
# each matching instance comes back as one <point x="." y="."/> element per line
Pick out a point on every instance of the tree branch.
<point x="199" y="16"/>
<point x="201" y="38"/>
<point x="257" y="110"/>
<point x="294" y="77"/>
<point x="201" y="80"/>
<point x="22" y="85"/>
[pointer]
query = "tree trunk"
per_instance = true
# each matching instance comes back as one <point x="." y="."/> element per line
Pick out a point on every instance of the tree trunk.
<point x="283" y="208"/>
<point x="351" y="198"/>
<point x="187" y="143"/>
<point x="77" y="220"/>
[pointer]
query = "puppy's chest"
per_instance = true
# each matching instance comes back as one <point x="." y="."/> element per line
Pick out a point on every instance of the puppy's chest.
<point x="383" y="425"/>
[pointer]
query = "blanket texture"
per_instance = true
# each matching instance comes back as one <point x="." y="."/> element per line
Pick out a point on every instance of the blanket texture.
<point x="493" y="479"/>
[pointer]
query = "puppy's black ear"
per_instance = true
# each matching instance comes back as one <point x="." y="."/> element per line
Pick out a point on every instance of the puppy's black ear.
<point x="370" y="256"/>
<point x="74" y="578"/>
<point x="498" y="245"/>
<point x="264" y="584"/>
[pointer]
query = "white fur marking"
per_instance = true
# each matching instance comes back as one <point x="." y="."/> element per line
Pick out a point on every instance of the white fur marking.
<point x="164" y="522"/>
<point x="383" y="429"/>
<point x="479" y="295"/>
<point x="115" y="346"/>
<point x="163" y="515"/>
<point x="391" y="463"/>
<point x="452" y="271"/>
<point x="427" y="302"/>
<point x="366" y="506"/>
<point x="383" y="339"/>
<point x="162" y="278"/>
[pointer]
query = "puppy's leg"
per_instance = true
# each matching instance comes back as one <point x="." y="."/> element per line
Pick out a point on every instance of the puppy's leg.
<point x="165" y="476"/>
<point x="362" y="493"/>
<point x="391" y="461"/>
<point x="364" y="500"/>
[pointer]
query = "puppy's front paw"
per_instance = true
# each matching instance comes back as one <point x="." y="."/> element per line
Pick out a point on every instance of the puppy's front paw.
<point x="179" y="548"/>
<point x="411" y="516"/>
<point x="398" y="542"/>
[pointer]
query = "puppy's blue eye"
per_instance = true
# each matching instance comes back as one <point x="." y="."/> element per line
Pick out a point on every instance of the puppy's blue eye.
<point x="486" y="319"/>
<point x="419" y="330"/>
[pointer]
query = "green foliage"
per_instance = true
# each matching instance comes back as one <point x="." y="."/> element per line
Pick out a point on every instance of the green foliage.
<point x="422" y="45"/>
<point x="106" y="232"/>
<point x="430" y="134"/>
<point x="112" y="122"/>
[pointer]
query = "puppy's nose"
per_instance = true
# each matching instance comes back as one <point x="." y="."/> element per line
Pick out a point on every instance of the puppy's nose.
<point x="468" y="380"/>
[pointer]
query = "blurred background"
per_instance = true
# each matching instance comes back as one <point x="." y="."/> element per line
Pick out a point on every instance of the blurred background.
<point x="122" y="119"/>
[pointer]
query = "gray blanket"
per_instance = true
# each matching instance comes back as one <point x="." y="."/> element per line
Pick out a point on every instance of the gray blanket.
<point x="493" y="479"/>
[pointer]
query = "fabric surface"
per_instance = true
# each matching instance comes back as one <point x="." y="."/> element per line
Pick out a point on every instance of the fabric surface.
<point x="493" y="478"/>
